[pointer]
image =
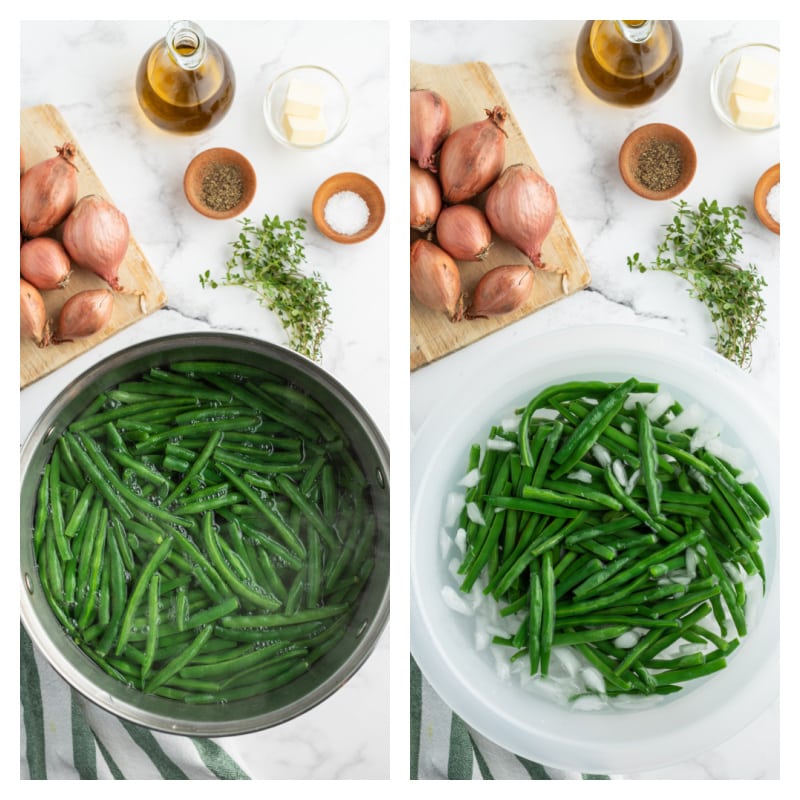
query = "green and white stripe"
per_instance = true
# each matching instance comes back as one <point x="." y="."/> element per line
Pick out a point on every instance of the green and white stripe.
<point x="67" y="737"/>
<point x="444" y="747"/>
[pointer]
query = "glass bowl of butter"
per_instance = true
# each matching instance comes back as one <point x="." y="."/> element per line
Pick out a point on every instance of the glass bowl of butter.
<point x="745" y="88"/>
<point x="306" y="107"/>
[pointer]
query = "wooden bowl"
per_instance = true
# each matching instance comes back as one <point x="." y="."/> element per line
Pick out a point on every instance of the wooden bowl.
<point x="203" y="167"/>
<point x="765" y="183"/>
<point x="349" y="182"/>
<point x="635" y="145"/>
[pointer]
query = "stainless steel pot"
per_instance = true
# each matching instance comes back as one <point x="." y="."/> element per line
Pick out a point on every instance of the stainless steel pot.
<point x="328" y="674"/>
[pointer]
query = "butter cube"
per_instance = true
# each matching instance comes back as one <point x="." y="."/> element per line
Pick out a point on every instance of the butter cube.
<point x="303" y="100"/>
<point x="754" y="78"/>
<point x="304" y="130"/>
<point x="752" y="113"/>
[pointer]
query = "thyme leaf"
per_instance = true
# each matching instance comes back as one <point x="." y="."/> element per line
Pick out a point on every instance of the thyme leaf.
<point x="702" y="246"/>
<point x="267" y="259"/>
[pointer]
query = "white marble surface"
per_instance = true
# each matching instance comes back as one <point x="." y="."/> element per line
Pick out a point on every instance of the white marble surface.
<point x="86" y="69"/>
<point x="575" y="139"/>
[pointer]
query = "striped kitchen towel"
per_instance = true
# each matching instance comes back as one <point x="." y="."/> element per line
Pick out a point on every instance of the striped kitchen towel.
<point x="65" y="737"/>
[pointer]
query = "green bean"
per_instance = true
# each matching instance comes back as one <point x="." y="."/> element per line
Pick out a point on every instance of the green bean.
<point x="548" y="612"/>
<point x="93" y="472"/>
<point x="569" y="500"/>
<point x="175" y="665"/>
<point x="283" y="676"/>
<point x="288" y="536"/>
<point x="294" y="597"/>
<point x="535" y="612"/>
<point x="201" y="460"/>
<point x="246" y="591"/>
<point x="42" y="513"/>
<point x="590" y="428"/>
<point x="311" y="513"/>
<point x="56" y="509"/>
<point x="670" y="676"/>
<point x="152" y="625"/>
<point x="98" y="553"/>
<point x="139" y="590"/>
<point x="648" y="453"/>
<point x="278" y="620"/>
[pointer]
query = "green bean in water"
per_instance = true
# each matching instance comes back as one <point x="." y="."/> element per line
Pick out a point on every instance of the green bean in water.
<point x="204" y="531"/>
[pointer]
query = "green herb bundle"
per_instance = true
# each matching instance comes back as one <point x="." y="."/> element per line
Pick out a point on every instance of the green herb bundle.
<point x="702" y="246"/>
<point x="267" y="259"/>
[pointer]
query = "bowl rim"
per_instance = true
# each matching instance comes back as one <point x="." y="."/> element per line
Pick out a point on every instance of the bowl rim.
<point x="714" y="87"/>
<point x="352" y="181"/>
<point x="114" y="697"/>
<point x="225" y="155"/>
<point x="769" y="178"/>
<point x="267" y="106"/>
<point x="580" y="740"/>
<point x="661" y="130"/>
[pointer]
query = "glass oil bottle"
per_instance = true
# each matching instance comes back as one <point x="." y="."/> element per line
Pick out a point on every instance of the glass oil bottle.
<point x="629" y="62"/>
<point x="185" y="82"/>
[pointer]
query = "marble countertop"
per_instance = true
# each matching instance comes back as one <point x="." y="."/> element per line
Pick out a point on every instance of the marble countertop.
<point x="576" y="138"/>
<point x="142" y="169"/>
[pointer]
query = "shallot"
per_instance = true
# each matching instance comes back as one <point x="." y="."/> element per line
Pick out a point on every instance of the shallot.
<point x="48" y="191"/>
<point x="84" y="314"/>
<point x="426" y="199"/>
<point x="435" y="279"/>
<point x="463" y="231"/>
<point x="33" y="322"/>
<point x="430" y="126"/>
<point x="521" y="208"/>
<point x="472" y="157"/>
<point x="96" y="236"/>
<point x="501" y="290"/>
<point x="44" y="263"/>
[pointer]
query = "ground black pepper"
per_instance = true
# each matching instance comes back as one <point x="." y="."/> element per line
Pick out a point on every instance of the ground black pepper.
<point x="222" y="187"/>
<point x="659" y="166"/>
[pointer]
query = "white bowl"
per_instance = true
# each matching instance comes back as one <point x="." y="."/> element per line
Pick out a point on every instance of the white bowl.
<point x="705" y="712"/>
<point x="722" y="80"/>
<point x="335" y="108"/>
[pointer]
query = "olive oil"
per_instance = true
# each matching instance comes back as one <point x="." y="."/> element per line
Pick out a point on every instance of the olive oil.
<point x="629" y="62"/>
<point x="185" y="82"/>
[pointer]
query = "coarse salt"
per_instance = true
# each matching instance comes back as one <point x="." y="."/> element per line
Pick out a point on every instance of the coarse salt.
<point x="346" y="212"/>
<point x="774" y="202"/>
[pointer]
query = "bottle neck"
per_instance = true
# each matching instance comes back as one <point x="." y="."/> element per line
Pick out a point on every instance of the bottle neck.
<point x="186" y="43"/>
<point x="636" y="30"/>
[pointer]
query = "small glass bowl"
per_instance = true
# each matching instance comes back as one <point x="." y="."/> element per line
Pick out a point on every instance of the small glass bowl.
<point x="722" y="80"/>
<point x="336" y="103"/>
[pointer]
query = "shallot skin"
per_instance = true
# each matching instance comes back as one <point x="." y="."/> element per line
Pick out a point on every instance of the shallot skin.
<point x="435" y="279"/>
<point x="430" y="126"/>
<point x="84" y="314"/>
<point x="33" y="322"/>
<point x="463" y="231"/>
<point x="472" y="157"/>
<point x="48" y="192"/>
<point x="521" y="208"/>
<point x="500" y="291"/>
<point x="426" y="199"/>
<point x="44" y="263"/>
<point x="96" y="236"/>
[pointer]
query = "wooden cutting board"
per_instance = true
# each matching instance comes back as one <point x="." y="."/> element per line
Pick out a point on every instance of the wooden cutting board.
<point x="469" y="89"/>
<point x="42" y="129"/>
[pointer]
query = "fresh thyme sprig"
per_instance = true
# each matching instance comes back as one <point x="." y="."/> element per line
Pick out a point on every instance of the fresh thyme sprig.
<point x="702" y="246"/>
<point x="267" y="259"/>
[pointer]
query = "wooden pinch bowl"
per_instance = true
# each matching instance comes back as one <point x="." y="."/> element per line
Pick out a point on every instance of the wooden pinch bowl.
<point x="765" y="183"/>
<point x="198" y="169"/>
<point x="635" y="144"/>
<point x="349" y="182"/>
